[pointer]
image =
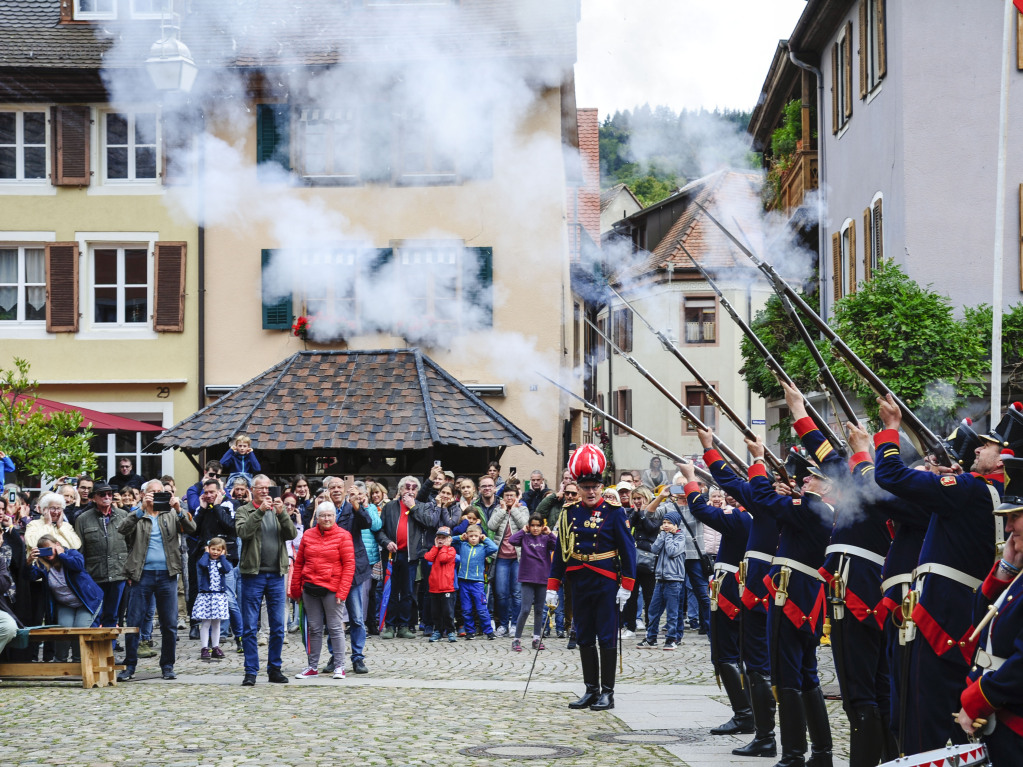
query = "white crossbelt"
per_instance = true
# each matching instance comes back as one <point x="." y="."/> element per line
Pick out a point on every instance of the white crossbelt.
<point x="751" y="554"/>
<point x="856" y="551"/>
<point x="987" y="661"/>
<point x="725" y="568"/>
<point x="799" y="567"/>
<point x="895" y="580"/>
<point x="933" y="568"/>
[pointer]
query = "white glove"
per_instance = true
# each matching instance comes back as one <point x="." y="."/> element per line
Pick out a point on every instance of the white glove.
<point x="622" y="597"/>
<point x="552" y="599"/>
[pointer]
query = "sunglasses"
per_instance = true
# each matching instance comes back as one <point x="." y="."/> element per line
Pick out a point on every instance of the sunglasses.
<point x="571" y="492"/>
<point x="213" y="474"/>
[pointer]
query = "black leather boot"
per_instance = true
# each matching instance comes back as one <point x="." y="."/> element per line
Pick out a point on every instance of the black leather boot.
<point x="591" y="677"/>
<point x="608" y="659"/>
<point x="763" y="716"/>
<point x="571" y="640"/>
<point x="890" y="747"/>
<point x="819" y="727"/>
<point x="866" y="736"/>
<point x="792" y="723"/>
<point x="739" y="698"/>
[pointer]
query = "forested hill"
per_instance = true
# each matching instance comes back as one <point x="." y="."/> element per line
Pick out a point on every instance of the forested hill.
<point x="655" y="150"/>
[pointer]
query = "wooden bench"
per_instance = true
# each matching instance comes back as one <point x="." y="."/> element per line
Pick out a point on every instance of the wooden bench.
<point x="96" y="646"/>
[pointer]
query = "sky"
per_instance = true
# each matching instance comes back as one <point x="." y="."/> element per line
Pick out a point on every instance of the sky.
<point x="680" y="53"/>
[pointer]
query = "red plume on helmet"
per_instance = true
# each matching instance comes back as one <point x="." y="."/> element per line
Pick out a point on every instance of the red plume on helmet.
<point x="587" y="464"/>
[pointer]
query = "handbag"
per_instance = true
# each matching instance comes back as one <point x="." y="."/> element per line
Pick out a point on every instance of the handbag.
<point x="706" y="560"/>
<point x="646" y="562"/>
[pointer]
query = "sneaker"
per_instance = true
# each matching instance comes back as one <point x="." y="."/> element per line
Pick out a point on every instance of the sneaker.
<point x="331" y="665"/>
<point x="452" y="637"/>
<point x="538" y="644"/>
<point x="388" y="633"/>
<point x="359" y="667"/>
<point x="490" y="636"/>
<point x="461" y="631"/>
<point x="516" y="646"/>
<point x="468" y="636"/>
<point x="435" y="637"/>
<point x="648" y="642"/>
<point x="146" y="650"/>
<point x="307" y="672"/>
<point x="669" y="645"/>
<point x="406" y="633"/>
<point x="276" y="676"/>
<point x="238" y="648"/>
<point x="339" y="673"/>
<point x="217" y="653"/>
<point x="640" y="625"/>
<point x="502" y="631"/>
<point x="204" y="654"/>
<point x="126" y="675"/>
<point x="561" y="635"/>
<point x="261" y="641"/>
<point x="169" y="674"/>
<point x="293" y="627"/>
<point x="626" y="634"/>
<point x="249" y="680"/>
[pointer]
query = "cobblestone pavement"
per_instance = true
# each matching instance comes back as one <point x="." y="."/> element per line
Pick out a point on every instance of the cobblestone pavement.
<point x="421" y="703"/>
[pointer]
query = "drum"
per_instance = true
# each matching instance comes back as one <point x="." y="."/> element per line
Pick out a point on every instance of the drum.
<point x="970" y="755"/>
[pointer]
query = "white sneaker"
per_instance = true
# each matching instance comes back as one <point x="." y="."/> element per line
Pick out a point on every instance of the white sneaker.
<point x="640" y="625"/>
<point x="626" y="634"/>
<point x="339" y="673"/>
<point x="310" y="671"/>
<point x="261" y="641"/>
<point x="501" y="631"/>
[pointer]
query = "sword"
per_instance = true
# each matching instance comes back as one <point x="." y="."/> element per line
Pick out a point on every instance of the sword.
<point x="546" y="618"/>
<point x="715" y="588"/>
<point x="781" y="596"/>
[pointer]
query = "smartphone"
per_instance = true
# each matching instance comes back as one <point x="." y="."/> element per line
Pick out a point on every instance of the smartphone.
<point x="73" y="481"/>
<point x="275" y="492"/>
<point x="349" y="482"/>
<point x="46" y="552"/>
<point x="12" y="496"/>
<point x="511" y="471"/>
<point x="161" y="501"/>
<point x="677" y="490"/>
<point x="436" y="463"/>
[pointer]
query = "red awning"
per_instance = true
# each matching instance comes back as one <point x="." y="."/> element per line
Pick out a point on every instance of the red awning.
<point x="92" y="419"/>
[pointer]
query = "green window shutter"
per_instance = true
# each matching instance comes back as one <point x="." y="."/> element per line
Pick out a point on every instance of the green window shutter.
<point x="273" y="123"/>
<point x="478" y="284"/>
<point x="276" y="314"/>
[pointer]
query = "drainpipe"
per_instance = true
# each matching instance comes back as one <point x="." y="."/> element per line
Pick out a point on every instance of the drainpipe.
<point x="822" y="234"/>
<point x="201" y="268"/>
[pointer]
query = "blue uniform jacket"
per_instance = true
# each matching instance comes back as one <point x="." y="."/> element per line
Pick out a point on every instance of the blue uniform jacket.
<point x="910" y="522"/>
<point x="960" y="534"/>
<point x="763" y="532"/>
<point x="734" y="526"/>
<point x="596" y="531"/>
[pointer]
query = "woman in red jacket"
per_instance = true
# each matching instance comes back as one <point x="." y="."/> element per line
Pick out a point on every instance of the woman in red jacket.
<point x="322" y="575"/>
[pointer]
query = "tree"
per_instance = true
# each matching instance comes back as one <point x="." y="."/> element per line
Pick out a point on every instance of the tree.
<point x="50" y="444"/>
<point x="978" y="320"/>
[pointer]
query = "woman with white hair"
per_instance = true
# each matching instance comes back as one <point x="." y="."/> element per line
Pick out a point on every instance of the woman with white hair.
<point x="52" y="522"/>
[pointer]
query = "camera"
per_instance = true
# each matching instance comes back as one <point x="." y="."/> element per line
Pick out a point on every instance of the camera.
<point x="677" y="490"/>
<point x="275" y="492"/>
<point x="161" y="501"/>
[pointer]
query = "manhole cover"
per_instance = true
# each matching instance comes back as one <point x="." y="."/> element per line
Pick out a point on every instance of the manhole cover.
<point x="521" y="751"/>
<point x="650" y="737"/>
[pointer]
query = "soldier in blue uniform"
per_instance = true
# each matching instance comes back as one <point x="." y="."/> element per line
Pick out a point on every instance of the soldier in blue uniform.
<point x="754" y="597"/>
<point x="995" y="690"/>
<point x="734" y="526"/>
<point x="796" y="614"/>
<point x="597" y="555"/>
<point x="958" y="545"/>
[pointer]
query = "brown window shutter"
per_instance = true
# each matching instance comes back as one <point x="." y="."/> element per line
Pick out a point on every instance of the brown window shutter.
<point x="852" y="257"/>
<point x="847" y="70"/>
<point x="627" y="417"/>
<point x="62" y="287"/>
<point x="878" y="232"/>
<point x="867" y="229"/>
<point x="864" y="47"/>
<point x="836" y="264"/>
<point x="882" y="56"/>
<point x="71" y="128"/>
<point x="834" y="88"/>
<point x="169" y="290"/>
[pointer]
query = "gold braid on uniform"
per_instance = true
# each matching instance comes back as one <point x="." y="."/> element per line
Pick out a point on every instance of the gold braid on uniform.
<point x="566" y="537"/>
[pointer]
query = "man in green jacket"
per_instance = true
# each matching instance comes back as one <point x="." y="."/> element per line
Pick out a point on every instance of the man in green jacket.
<point x="105" y="549"/>
<point x="152" y="568"/>
<point x="264" y="527"/>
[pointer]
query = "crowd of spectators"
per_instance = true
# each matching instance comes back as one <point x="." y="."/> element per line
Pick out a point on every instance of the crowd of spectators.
<point x="250" y="559"/>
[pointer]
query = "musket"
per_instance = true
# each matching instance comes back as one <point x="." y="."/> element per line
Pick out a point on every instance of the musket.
<point x="703" y="474"/>
<point x="923" y="439"/>
<point x="772" y="460"/>
<point x="772" y="364"/>
<point x="740" y="466"/>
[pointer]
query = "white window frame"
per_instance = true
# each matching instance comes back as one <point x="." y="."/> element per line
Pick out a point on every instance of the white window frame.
<point x="22" y="286"/>
<point x="842" y="64"/>
<point x="19" y="151"/>
<point x="131" y="114"/>
<point x="81" y="15"/>
<point x="349" y="260"/>
<point x="411" y="252"/>
<point x="87" y="243"/>
<point x="416" y="121"/>
<point x="873" y="52"/>
<point x="157" y="14"/>
<point x="846" y="255"/>
<point x="34" y="330"/>
<point x="139" y="411"/>
<point x="306" y="116"/>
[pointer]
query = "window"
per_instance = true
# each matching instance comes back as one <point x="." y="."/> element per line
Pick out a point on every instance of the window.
<point x="841" y="79"/>
<point x="111" y="448"/>
<point x="330" y="296"/>
<point x="147" y="9"/>
<point x="601" y="350"/>
<point x="843" y="260"/>
<point x="129" y="146"/>
<point x="873" y="237"/>
<point x="22" y="146"/>
<point x="22" y="284"/>
<point x="872" y="45"/>
<point x="622" y="408"/>
<point x="699" y="319"/>
<point x="329" y="144"/>
<point x="623" y="329"/>
<point x="86" y="10"/>
<point x="700" y="403"/>
<point x="422" y="159"/>
<point x="120" y="285"/>
<point x="428" y="275"/>
<point x="577" y="321"/>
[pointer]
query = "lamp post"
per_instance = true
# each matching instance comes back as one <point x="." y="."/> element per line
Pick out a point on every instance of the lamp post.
<point x="170" y="63"/>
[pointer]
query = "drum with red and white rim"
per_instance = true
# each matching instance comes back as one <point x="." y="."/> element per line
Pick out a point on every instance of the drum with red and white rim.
<point x="969" y="755"/>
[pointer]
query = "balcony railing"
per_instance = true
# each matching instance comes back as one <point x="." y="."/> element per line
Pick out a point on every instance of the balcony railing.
<point x="799" y="179"/>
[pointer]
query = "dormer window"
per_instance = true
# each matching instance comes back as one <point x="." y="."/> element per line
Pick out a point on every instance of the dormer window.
<point x="89" y="10"/>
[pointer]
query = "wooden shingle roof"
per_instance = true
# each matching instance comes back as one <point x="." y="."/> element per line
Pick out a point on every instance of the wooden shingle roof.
<point x="388" y="399"/>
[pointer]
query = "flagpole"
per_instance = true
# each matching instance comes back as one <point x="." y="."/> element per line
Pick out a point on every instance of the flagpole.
<point x="999" y="252"/>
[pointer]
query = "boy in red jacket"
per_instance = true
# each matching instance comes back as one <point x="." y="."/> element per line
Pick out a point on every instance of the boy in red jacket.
<point x="442" y="585"/>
